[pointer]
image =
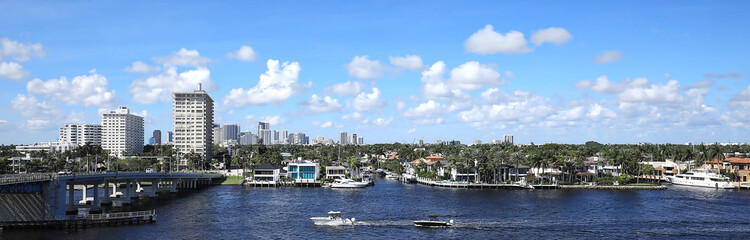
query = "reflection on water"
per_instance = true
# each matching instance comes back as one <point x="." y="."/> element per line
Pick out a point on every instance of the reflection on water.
<point x="388" y="210"/>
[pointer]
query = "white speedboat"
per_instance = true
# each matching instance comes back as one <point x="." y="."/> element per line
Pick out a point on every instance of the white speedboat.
<point x="392" y="176"/>
<point x="333" y="219"/>
<point x="701" y="178"/>
<point x="348" y="183"/>
<point x="433" y="222"/>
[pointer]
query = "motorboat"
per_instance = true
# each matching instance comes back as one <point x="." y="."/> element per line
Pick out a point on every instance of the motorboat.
<point x="433" y="222"/>
<point x="333" y="219"/>
<point x="348" y="183"/>
<point x="392" y="176"/>
<point x="701" y="178"/>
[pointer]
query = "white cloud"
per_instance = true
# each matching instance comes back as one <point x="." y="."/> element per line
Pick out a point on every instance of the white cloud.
<point x="89" y="90"/>
<point x="245" y="53"/>
<point x="382" y="122"/>
<point x="555" y="35"/>
<point x="368" y="101"/>
<point x="741" y="99"/>
<point x="602" y="85"/>
<point x="183" y="57"/>
<point x="411" y="62"/>
<point x="413" y="130"/>
<point x="323" y="104"/>
<point x="400" y="104"/>
<point x="29" y="106"/>
<point x="572" y="114"/>
<point x="19" y="51"/>
<point x="274" y="120"/>
<point x="597" y="111"/>
<point x="326" y="124"/>
<point x="487" y="41"/>
<point x="352" y="116"/>
<point x="518" y="107"/>
<point x="275" y="85"/>
<point x="159" y="88"/>
<point x="472" y="76"/>
<point x="427" y="110"/>
<point x="609" y="56"/>
<point x="12" y="70"/>
<point x="348" y="88"/>
<point x="141" y="67"/>
<point x="657" y="93"/>
<point x="363" y="68"/>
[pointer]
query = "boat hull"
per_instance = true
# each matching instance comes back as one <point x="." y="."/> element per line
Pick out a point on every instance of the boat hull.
<point x="326" y="221"/>
<point x="432" y="224"/>
<point x="695" y="183"/>
<point x="349" y="185"/>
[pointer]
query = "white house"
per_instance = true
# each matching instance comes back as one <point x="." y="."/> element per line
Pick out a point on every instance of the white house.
<point x="266" y="172"/>
<point x="335" y="172"/>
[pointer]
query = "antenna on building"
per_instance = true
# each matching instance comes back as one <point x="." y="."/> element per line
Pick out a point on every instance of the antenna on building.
<point x="200" y="86"/>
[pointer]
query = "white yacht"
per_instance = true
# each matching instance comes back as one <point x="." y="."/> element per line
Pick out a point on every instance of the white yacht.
<point x="334" y="219"/>
<point x="701" y="178"/>
<point x="348" y="183"/>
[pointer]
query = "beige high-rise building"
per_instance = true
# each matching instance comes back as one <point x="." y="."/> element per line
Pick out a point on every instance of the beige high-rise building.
<point x="80" y="134"/>
<point x="122" y="132"/>
<point x="193" y="118"/>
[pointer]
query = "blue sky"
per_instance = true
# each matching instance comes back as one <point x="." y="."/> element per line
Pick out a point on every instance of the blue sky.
<point x="568" y="72"/>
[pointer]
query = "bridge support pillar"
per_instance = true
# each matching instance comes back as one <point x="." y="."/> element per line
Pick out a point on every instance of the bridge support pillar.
<point x="83" y="199"/>
<point x="71" y="198"/>
<point x="128" y="191"/>
<point x="106" y="199"/>
<point x="96" y="203"/>
<point x="114" y="190"/>
<point x="174" y="186"/>
<point x="154" y="187"/>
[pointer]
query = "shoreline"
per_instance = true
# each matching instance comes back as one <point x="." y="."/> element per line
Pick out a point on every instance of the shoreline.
<point x="612" y="187"/>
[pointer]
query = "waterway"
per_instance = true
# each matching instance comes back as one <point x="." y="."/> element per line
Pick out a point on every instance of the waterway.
<point x="388" y="209"/>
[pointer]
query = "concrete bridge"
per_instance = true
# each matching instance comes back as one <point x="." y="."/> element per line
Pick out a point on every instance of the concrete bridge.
<point x="55" y="194"/>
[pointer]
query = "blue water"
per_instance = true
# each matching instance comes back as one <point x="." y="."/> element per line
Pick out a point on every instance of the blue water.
<point x="388" y="209"/>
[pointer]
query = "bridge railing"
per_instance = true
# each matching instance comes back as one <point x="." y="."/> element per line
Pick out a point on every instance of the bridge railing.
<point x="120" y="215"/>
<point x="24" y="178"/>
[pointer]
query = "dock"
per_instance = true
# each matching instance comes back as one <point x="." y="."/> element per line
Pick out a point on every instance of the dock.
<point x="276" y="184"/>
<point x="429" y="182"/>
<point x="85" y="221"/>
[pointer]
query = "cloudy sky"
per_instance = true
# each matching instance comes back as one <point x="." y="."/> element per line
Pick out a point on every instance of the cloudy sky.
<point x="390" y="71"/>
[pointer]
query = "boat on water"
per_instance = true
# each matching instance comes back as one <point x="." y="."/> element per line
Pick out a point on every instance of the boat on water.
<point x="348" y="183"/>
<point x="333" y="219"/>
<point x="391" y="176"/>
<point x="433" y="222"/>
<point x="701" y="178"/>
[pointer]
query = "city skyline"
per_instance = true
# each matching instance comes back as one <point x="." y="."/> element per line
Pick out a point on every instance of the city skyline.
<point x="394" y="72"/>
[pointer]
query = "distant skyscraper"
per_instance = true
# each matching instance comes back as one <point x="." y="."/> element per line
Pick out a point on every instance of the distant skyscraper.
<point x="508" y="139"/>
<point x="157" y="137"/>
<point x="152" y="141"/>
<point x="284" y="137"/>
<point x="193" y="123"/>
<point x="80" y="134"/>
<point x="263" y="126"/>
<point x="266" y="136"/>
<point x="353" y="139"/>
<point x="361" y="140"/>
<point x="343" y="138"/>
<point x="476" y="142"/>
<point x="122" y="132"/>
<point x="216" y="133"/>
<point x="229" y="132"/>
<point x="170" y="136"/>
<point x="275" y="137"/>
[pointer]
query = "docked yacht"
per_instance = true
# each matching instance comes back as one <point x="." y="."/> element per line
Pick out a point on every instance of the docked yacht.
<point x="701" y="178"/>
<point x="433" y="222"/>
<point x="333" y="219"/>
<point x="348" y="183"/>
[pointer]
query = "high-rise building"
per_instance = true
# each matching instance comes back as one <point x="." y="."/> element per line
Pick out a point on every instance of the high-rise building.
<point x="476" y="142"/>
<point x="80" y="134"/>
<point x="263" y="126"/>
<point x="216" y="132"/>
<point x="248" y="138"/>
<point x="122" y="132"/>
<point x="508" y="139"/>
<point x="151" y="141"/>
<point x="353" y="139"/>
<point x="193" y="114"/>
<point x="229" y="132"/>
<point x="157" y="137"/>
<point x="284" y="137"/>
<point x="343" y="138"/>
<point x="170" y="135"/>
<point x="361" y="140"/>
<point x="266" y="136"/>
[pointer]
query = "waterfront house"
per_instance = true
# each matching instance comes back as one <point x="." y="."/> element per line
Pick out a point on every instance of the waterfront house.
<point x="303" y="170"/>
<point x="465" y="174"/>
<point x="665" y="169"/>
<point x="266" y="172"/>
<point x="335" y="172"/>
<point x="741" y="168"/>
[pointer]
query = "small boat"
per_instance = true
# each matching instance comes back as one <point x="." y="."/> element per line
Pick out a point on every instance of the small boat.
<point x="333" y="219"/>
<point x="392" y="176"/>
<point x="433" y="222"/>
<point x="701" y="178"/>
<point x="348" y="183"/>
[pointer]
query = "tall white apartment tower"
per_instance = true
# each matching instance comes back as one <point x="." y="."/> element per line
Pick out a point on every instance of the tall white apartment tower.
<point x="508" y="139"/>
<point x="122" y="132"/>
<point x="353" y="139"/>
<point x="193" y="118"/>
<point x="343" y="139"/>
<point x="80" y="134"/>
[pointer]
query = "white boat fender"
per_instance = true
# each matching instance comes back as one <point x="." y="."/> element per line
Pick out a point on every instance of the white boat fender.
<point x="352" y="220"/>
<point x="451" y="221"/>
